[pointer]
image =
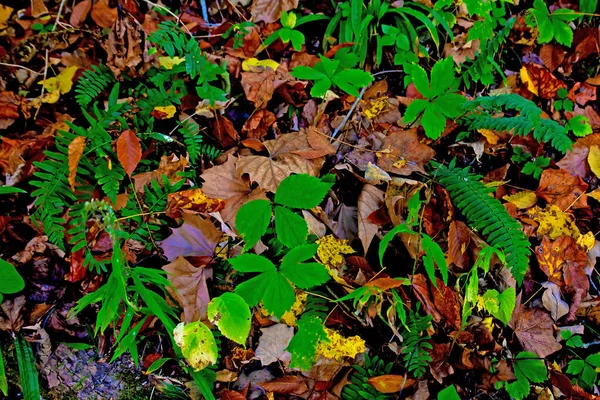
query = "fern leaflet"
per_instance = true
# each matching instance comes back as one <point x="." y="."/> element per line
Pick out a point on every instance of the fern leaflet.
<point x="91" y="83"/>
<point x="415" y="348"/>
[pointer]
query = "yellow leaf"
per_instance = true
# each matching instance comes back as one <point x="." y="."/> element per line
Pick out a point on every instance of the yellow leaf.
<point x="490" y="136"/>
<point x="289" y="317"/>
<point x="595" y="194"/>
<point x="522" y="200"/>
<point x="61" y="84"/>
<point x="594" y="160"/>
<point x="170" y="62"/>
<point x="554" y="222"/>
<point x="254" y="62"/>
<point x="526" y="79"/>
<point x="587" y="241"/>
<point x="169" y="110"/>
<point x="5" y="12"/>
<point x="390" y="383"/>
<point x="197" y="344"/>
<point x="375" y="174"/>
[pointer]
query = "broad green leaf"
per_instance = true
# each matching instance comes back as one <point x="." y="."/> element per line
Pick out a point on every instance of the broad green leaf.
<point x="303" y="275"/>
<point x="11" y="281"/>
<point x="303" y="72"/>
<point x="3" y="381"/>
<point x="253" y="289"/>
<point x="291" y="228"/>
<point x="279" y="295"/>
<point x="297" y="39"/>
<point x="420" y="79"/>
<point x="301" y="191"/>
<point x="594" y="359"/>
<point x="304" y="343"/>
<point x="530" y="366"/>
<point x="402" y="228"/>
<point x="232" y="315"/>
<point x="500" y="305"/>
<point x="288" y="20"/>
<point x="413" y="110"/>
<point x="580" y="125"/>
<point x="197" y="344"/>
<point x="451" y="104"/>
<point x="575" y="367"/>
<point x="518" y="389"/>
<point x="448" y="393"/>
<point x="252" y="263"/>
<point x="252" y="221"/>
<point x="442" y="75"/>
<point x="351" y="79"/>
<point x="434" y="254"/>
<point x="329" y="66"/>
<point x="320" y="87"/>
<point x="433" y="121"/>
<point x="562" y="32"/>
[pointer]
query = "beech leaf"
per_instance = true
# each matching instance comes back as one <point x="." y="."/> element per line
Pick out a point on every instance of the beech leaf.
<point x="129" y="150"/>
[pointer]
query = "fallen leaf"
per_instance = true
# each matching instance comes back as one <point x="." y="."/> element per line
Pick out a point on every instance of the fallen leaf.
<point x="189" y="288"/>
<point x="534" y="329"/>
<point x="129" y="150"/>
<point x="5" y="13"/>
<point x="403" y="154"/>
<point x="390" y="383"/>
<point x="273" y="343"/>
<point x="80" y="12"/>
<point x="269" y="171"/>
<point x="293" y="384"/>
<point x="553" y="256"/>
<point x="522" y="200"/>
<point x="13" y="321"/>
<point x="224" y="131"/>
<point x="441" y="302"/>
<point x="552" y="301"/>
<point x="459" y="237"/>
<point x="554" y="222"/>
<point x="582" y="93"/>
<point x="196" y="237"/>
<point x="552" y="55"/>
<point x="369" y="200"/>
<point x="197" y="344"/>
<point x="164" y="112"/>
<point x="257" y="126"/>
<point x="270" y="10"/>
<point x="540" y="81"/>
<point x="75" y="152"/>
<point x="168" y="166"/>
<point x="60" y="84"/>
<point x="259" y="84"/>
<point x="192" y="201"/>
<point x="103" y="14"/>
<point x="255" y="62"/>
<point x="9" y="108"/>
<point x="594" y="160"/>
<point x="560" y="188"/>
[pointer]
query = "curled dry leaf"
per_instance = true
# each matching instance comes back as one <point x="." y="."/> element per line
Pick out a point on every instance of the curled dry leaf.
<point x="196" y="237"/>
<point x="258" y="125"/>
<point x="369" y="201"/>
<point x="192" y="201"/>
<point x="441" y="302"/>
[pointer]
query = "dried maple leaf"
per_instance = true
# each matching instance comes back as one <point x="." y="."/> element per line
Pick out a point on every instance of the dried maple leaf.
<point x="559" y="187"/>
<point x="369" y="201"/>
<point x="196" y="237"/>
<point x="441" y="302"/>
<point x="225" y="182"/>
<point x="403" y="154"/>
<point x="269" y="171"/>
<point x="540" y="81"/>
<point x="534" y="329"/>
<point x="190" y="287"/>
<point x="192" y="201"/>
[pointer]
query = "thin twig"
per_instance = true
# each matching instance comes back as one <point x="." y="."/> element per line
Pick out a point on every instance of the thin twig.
<point x="57" y="21"/>
<point x="20" y="66"/>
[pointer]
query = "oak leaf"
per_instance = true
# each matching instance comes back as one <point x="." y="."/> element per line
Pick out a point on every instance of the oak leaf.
<point x="129" y="150"/>
<point x="189" y="288"/>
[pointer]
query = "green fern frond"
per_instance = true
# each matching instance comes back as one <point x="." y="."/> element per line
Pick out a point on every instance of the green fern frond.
<point x="359" y="388"/>
<point x="529" y="119"/>
<point x="415" y="348"/>
<point x="486" y="214"/>
<point x="192" y="139"/>
<point x="91" y="83"/>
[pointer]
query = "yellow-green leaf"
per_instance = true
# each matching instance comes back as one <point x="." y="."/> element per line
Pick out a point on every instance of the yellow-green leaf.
<point x="254" y="62"/>
<point x="197" y="344"/>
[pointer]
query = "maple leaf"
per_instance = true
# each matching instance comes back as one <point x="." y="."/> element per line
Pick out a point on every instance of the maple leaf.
<point x="189" y="288"/>
<point x="559" y="187"/>
<point x="196" y="237"/>
<point x="225" y="182"/>
<point x="534" y="329"/>
<point x="269" y="171"/>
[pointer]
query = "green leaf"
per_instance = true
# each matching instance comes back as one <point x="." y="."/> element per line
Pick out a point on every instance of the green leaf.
<point x="402" y="228"/>
<point x="304" y="343"/>
<point x="10" y="190"/>
<point x="253" y="290"/>
<point x="575" y="367"/>
<point x="320" y="87"/>
<point x="448" y="393"/>
<point x="156" y="365"/>
<point x="351" y="79"/>
<point x="580" y="125"/>
<point x="232" y="315"/>
<point x="28" y="374"/>
<point x="518" y="389"/>
<point x="562" y="32"/>
<point x="420" y="79"/>
<point x="434" y="254"/>
<point x="252" y="263"/>
<point x="3" y="381"/>
<point x="303" y="72"/>
<point x="11" y="281"/>
<point x="413" y="110"/>
<point x="451" y="104"/>
<point x="301" y="191"/>
<point x="291" y="228"/>
<point x="442" y="75"/>
<point x="303" y="275"/>
<point x="197" y="344"/>
<point x="433" y="121"/>
<point x="594" y="360"/>
<point x="500" y="305"/>
<point x="252" y="221"/>
<point x="530" y="366"/>
<point x="279" y="295"/>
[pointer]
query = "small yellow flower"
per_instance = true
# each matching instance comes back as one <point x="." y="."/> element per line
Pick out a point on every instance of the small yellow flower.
<point x="339" y="346"/>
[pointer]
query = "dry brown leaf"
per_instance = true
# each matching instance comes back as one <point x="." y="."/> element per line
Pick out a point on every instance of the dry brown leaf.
<point x="190" y="289"/>
<point x="552" y="55"/>
<point x="403" y="154"/>
<point x="460" y="49"/>
<point x="257" y="126"/>
<point x="540" y="81"/>
<point x="124" y="47"/>
<point x="292" y="384"/>
<point x="80" y="12"/>
<point x="582" y="93"/>
<point x="196" y="237"/>
<point x="224" y="131"/>
<point x="38" y="8"/>
<point x="384" y="283"/>
<point x="390" y="383"/>
<point x="192" y="201"/>
<point x="75" y="152"/>
<point x="534" y="329"/>
<point x="273" y="343"/>
<point x="259" y="84"/>
<point x="369" y="200"/>
<point x="441" y="302"/>
<point x="12" y="309"/>
<point x="168" y="166"/>
<point x="459" y="238"/>
<point x="560" y="188"/>
<point x="268" y="172"/>
<point x="319" y="145"/>
<point x="129" y="150"/>
<point x="103" y="14"/>
<point x="225" y="182"/>
<point x="270" y="10"/>
<point x="9" y="109"/>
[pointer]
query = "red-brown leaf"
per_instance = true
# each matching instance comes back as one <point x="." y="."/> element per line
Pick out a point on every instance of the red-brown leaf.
<point x="76" y="148"/>
<point x="129" y="150"/>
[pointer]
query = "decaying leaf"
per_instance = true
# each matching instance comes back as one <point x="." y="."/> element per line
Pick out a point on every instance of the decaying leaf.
<point x="192" y="201"/>
<point x="196" y="237"/>
<point x="76" y="148"/>
<point x="403" y="154"/>
<point x="560" y="188"/>
<point x="273" y="344"/>
<point x="369" y="200"/>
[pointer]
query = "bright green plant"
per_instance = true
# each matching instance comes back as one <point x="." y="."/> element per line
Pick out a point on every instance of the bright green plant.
<point x="310" y="333"/>
<point x="416" y="346"/>
<point x="28" y="373"/>
<point x="553" y="25"/>
<point x="584" y="369"/>
<point x="10" y="280"/>
<point x="441" y="100"/>
<point x="448" y="393"/>
<point x="275" y="286"/>
<point x="288" y="33"/>
<point x="338" y="72"/>
<point x="295" y="192"/>
<point x="238" y="31"/>
<point x="563" y="103"/>
<point x="536" y="167"/>
<point x="433" y="254"/>
<point x="486" y="214"/>
<point x="528" y="368"/>
<point x="359" y="388"/>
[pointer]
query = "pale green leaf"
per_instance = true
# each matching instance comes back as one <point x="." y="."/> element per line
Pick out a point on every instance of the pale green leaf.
<point x="197" y="344"/>
<point x="232" y="315"/>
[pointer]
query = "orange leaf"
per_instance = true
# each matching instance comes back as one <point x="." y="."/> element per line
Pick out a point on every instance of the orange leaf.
<point x="129" y="151"/>
<point x="390" y="383"/>
<point x="76" y="148"/>
<point x="192" y="201"/>
<point x="385" y="283"/>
